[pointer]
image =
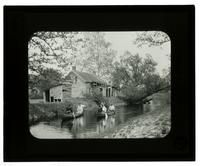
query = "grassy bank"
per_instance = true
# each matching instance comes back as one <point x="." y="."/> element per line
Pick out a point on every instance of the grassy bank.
<point x="50" y="111"/>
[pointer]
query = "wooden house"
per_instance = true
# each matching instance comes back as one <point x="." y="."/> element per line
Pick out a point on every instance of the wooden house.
<point x="78" y="84"/>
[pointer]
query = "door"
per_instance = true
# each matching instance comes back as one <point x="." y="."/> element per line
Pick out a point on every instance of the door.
<point x="52" y="99"/>
<point x="47" y="99"/>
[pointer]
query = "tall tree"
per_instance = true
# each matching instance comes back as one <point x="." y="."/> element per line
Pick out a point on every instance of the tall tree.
<point x="98" y="55"/>
<point x="156" y="39"/>
<point x="136" y="76"/>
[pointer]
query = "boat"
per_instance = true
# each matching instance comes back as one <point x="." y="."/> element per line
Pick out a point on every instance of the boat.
<point x="102" y="114"/>
<point x="71" y="116"/>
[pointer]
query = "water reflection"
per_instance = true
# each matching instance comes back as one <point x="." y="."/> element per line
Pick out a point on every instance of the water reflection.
<point x="89" y="125"/>
<point x="105" y="123"/>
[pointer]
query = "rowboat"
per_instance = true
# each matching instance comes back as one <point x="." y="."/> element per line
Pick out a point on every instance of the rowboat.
<point x="102" y="114"/>
<point x="71" y="116"/>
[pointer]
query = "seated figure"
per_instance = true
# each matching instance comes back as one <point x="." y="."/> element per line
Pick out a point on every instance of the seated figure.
<point x="80" y="108"/>
<point x="111" y="107"/>
<point x="69" y="109"/>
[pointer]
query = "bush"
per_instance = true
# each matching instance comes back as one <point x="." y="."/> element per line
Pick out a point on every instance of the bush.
<point x="133" y="94"/>
<point x="50" y="111"/>
<point x="97" y="97"/>
<point x="46" y="112"/>
<point x="35" y="96"/>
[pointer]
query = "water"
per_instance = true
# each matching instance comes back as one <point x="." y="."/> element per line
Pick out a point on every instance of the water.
<point x="87" y="126"/>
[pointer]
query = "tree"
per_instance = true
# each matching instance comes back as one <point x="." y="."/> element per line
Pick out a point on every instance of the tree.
<point x="136" y="76"/>
<point x="97" y="56"/>
<point x="88" y="51"/>
<point x="151" y="38"/>
<point x="56" y="48"/>
<point x="132" y="69"/>
<point x="46" y="79"/>
<point x="154" y="38"/>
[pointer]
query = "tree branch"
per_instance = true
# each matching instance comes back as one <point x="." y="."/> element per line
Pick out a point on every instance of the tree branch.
<point x="44" y="40"/>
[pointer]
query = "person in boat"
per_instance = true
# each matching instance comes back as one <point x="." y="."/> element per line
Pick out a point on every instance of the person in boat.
<point x="104" y="110"/>
<point x="80" y="108"/>
<point x="69" y="110"/>
<point x="100" y="107"/>
<point x="111" y="108"/>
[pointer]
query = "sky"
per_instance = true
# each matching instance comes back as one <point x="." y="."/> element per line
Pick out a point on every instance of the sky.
<point x="123" y="41"/>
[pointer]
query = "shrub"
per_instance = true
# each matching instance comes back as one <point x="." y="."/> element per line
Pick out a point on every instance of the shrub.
<point x="49" y="111"/>
<point x="46" y="111"/>
<point x="97" y="97"/>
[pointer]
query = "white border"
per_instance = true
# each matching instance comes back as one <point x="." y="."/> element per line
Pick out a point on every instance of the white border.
<point x="105" y="2"/>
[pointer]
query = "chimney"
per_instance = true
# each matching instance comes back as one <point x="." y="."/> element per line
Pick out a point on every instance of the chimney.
<point x="74" y="68"/>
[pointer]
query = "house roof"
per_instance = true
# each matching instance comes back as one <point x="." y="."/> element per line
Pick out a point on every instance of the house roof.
<point x="89" y="77"/>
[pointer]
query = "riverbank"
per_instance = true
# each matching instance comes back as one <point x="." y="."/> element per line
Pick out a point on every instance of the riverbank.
<point x="39" y="112"/>
<point x="152" y="124"/>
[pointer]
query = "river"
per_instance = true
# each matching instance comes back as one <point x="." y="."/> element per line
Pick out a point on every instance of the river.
<point x="87" y="126"/>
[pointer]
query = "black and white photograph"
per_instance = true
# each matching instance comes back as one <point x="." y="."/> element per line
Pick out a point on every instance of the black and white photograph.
<point x="99" y="84"/>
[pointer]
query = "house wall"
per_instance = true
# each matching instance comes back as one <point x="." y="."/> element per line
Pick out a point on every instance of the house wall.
<point x="67" y="91"/>
<point x="79" y="88"/>
<point x="97" y="88"/>
<point x="76" y="87"/>
<point x="114" y="91"/>
<point x="104" y="91"/>
<point x="56" y="93"/>
<point x="44" y="97"/>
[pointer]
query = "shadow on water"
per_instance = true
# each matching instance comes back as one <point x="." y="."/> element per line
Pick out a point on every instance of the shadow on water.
<point x="89" y="125"/>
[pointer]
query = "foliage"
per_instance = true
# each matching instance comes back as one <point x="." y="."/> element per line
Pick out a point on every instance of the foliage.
<point x="136" y="77"/>
<point x="52" y="48"/>
<point x="35" y="95"/>
<point x="132" y="70"/>
<point x="154" y="38"/>
<point x="49" y="111"/>
<point x="45" y="112"/>
<point x="46" y="79"/>
<point x="97" y="97"/>
<point x="88" y="51"/>
<point x="151" y="38"/>
<point x="97" y="55"/>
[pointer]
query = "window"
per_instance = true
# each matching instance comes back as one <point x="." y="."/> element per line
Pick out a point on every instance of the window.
<point x="75" y="79"/>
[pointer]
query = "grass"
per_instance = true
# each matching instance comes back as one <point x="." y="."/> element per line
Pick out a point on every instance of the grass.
<point x="50" y="111"/>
